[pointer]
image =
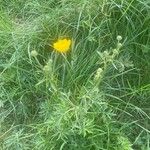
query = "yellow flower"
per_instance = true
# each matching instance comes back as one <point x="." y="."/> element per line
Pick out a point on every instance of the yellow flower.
<point x="62" y="46"/>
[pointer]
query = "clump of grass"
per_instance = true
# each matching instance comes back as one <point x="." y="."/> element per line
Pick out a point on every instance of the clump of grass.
<point x="93" y="97"/>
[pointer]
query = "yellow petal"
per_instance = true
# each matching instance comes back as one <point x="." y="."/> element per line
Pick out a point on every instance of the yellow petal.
<point x="62" y="46"/>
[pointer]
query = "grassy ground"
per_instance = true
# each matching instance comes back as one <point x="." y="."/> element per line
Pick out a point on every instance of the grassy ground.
<point x="94" y="97"/>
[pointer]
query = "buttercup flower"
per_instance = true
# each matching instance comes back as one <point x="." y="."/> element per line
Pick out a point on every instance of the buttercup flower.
<point x="62" y="46"/>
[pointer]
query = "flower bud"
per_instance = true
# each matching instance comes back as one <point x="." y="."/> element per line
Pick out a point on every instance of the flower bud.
<point x="98" y="74"/>
<point x="34" y="53"/>
<point x="119" y="45"/>
<point x="115" y="52"/>
<point x="50" y="62"/>
<point x="46" y="68"/>
<point x="106" y="53"/>
<point x="99" y="70"/>
<point x="119" y="38"/>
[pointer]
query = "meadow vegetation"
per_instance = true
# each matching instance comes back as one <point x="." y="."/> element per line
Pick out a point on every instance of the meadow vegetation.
<point x="95" y="96"/>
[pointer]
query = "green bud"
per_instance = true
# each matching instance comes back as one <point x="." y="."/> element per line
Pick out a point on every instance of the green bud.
<point x="50" y="62"/>
<point x="34" y="53"/>
<point x="99" y="70"/>
<point x="115" y="52"/>
<point x="119" y="38"/>
<point x="119" y="45"/>
<point x="105" y="53"/>
<point x="98" y="74"/>
<point x="46" y="68"/>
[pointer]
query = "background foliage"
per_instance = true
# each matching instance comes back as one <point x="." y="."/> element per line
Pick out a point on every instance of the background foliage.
<point x="92" y="98"/>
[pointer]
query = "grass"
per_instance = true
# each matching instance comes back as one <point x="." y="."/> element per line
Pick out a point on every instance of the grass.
<point x="96" y="96"/>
